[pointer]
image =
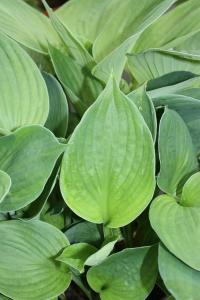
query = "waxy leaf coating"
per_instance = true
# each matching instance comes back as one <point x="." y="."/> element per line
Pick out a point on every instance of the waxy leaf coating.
<point x="27" y="257"/>
<point x="28" y="156"/>
<point x="107" y="173"/>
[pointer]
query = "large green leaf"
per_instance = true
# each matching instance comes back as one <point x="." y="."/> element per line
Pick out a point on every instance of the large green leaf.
<point x="81" y="87"/>
<point x="181" y="280"/>
<point x="178" y="227"/>
<point x="176" y="152"/>
<point x="105" y="177"/>
<point x="87" y="24"/>
<point x="172" y="28"/>
<point x="5" y="184"/>
<point x="57" y="120"/>
<point x="145" y="106"/>
<point x="27" y="258"/>
<point x="120" y="33"/>
<point x="128" y="19"/>
<point x="130" y="274"/>
<point x="191" y="191"/>
<point x="156" y="62"/>
<point x="189" y="110"/>
<point x="24" y="97"/>
<point x="26" y="25"/>
<point x="28" y="156"/>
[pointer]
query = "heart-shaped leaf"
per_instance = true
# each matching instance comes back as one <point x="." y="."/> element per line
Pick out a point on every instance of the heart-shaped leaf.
<point x="178" y="227"/>
<point x="27" y="257"/>
<point x="129" y="274"/>
<point x="24" y="97"/>
<point x="181" y="280"/>
<point x="28" y="156"/>
<point x="105" y="177"/>
<point x="176" y="151"/>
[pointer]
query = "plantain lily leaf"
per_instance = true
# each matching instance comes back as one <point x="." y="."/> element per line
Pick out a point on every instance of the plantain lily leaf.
<point x="120" y="34"/>
<point x="193" y="81"/>
<point x="129" y="274"/>
<point x="178" y="227"/>
<point x="191" y="192"/>
<point x="35" y="209"/>
<point x="76" y="255"/>
<point x="26" y="25"/>
<point x="28" y="156"/>
<point x="5" y="184"/>
<point x="57" y="120"/>
<point x="81" y="87"/>
<point x="89" y="23"/>
<point x="191" y="43"/>
<point x="77" y="50"/>
<point x="28" y="266"/>
<point x="119" y="28"/>
<point x="84" y="232"/>
<point x="24" y="97"/>
<point x="188" y="108"/>
<point x="181" y="280"/>
<point x="172" y="28"/>
<point x="156" y="62"/>
<point x="145" y="106"/>
<point x="176" y="151"/>
<point x="95" y="183"/>
<point x="101" y="254"/>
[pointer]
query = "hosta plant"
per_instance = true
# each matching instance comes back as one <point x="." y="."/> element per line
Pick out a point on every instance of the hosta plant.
<point x="99" y="150"/>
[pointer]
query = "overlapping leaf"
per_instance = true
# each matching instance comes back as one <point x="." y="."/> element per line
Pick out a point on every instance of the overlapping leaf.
<point x="5" y="184"/>
<point x="176" y="152"/>
<point x="172" y="28"/>
<point x="188" y="108"/>
<point x="105" y="176"/>
<point x="130" y="274"/>
<point x="145" y="106"/>
<point x="28" y="157"/>
<point x="178" y="227"/>
<point x="57" y="120"/>
<point x="27" y="257"/>
<point x="181" y="280"/>
<point x="26" y="25"/>
<point x="121" y="33"/>
<point x="23" y="98"/>
<point x="156" y="62"/>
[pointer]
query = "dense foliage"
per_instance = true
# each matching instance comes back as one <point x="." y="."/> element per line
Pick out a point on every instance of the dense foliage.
<point x="99" y="148"/>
